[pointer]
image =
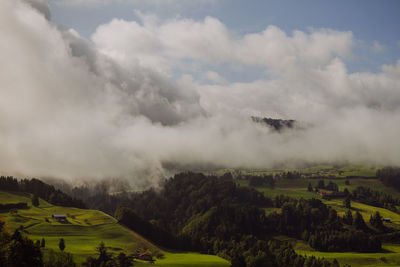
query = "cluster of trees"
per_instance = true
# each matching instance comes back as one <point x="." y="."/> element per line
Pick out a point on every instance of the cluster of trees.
<point x="253" y="252"/>
<point x="260" y="180"/>
<point x="130" y="219"/>
<point x="375" y="198"/>
<point x="320" y="226"/>
<point x="390" y="176"/>
<point x="330" y="186"/>
<point x="290" y="175"/>
<point x="352" y="240"/>
<point x="376" y="221"/>
<point x="59" y="259"/>
<point x="105" y="258"/>
<point x="7" y="207"/>
<point x="40" y="189"/>
<point x="17" y="250"/>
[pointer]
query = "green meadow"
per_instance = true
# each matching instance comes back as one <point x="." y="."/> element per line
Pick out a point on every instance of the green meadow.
<point x="390" y="256"/>
<point x="191" y="259"/>
<point x="86" y="229"/>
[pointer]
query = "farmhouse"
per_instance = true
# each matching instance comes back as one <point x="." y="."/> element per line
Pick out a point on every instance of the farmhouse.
<point x="386" y="219"/>
<point x="59" y="217"/>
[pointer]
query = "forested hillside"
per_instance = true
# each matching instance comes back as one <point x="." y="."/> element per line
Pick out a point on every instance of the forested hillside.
<point x="213" y="215"/>
<point x="40" y="189"/>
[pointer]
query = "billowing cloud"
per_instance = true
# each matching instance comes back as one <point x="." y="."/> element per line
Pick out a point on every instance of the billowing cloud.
<point x="210" y="42"/>
<point x="109" y="107"/>
<point x="41" y="6"/>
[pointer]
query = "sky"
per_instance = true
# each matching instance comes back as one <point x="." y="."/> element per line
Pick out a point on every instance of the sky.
<point x="143" y="89"/>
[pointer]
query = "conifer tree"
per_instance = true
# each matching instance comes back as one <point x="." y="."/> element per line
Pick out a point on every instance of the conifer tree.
<point x="359" y="222"/>
<point x="310" y="189"/>
<point x="61" y="244"/>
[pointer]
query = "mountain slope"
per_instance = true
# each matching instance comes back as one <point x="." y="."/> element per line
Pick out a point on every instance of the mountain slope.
<point x="84" y="231"/>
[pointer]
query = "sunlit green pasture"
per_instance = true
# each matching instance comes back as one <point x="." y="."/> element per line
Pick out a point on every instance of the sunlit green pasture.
<point x="191" y="259"/>
<point x="86" y="229"/>
<point x="390" y="256"/>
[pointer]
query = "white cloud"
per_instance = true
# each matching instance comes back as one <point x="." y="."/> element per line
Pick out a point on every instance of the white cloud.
<point x="72" y="108"/>
<point x="210" y="42"/>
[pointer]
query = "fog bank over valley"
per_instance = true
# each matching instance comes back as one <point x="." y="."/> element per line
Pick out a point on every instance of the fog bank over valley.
<point x="143" y="99"/>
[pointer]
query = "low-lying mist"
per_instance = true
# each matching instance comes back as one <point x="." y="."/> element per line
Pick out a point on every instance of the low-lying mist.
<point x="109" y="107"/>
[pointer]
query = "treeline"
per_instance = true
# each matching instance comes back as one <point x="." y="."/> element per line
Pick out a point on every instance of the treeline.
<point x="260" y="180"/>
<point x="375" y="198"/>
<point x="390" y="176"/>
<point x="106" y="258"/>
<point x="320" y="226"/>
<point x="7" y="207"/>
<point x="330" y="186"/>
<point x="40" y="189"/>
<point x="290" y="175"/>
<point x="344" y="241"/>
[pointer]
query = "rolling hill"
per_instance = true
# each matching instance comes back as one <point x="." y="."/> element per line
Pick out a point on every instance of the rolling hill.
<point x="84" y="231"/>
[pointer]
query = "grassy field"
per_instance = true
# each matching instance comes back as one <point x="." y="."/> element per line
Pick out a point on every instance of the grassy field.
<point x="191" y="259"/>
<point x="297" y="190"/>
<point x="86" y="229"/>
<point x="389" y="257"/>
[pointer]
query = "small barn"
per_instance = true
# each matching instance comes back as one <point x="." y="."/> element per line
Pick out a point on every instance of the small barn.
<point x="386" y="220"/>
<point x="59" y="217"/>
<point x="145" y="256"/>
